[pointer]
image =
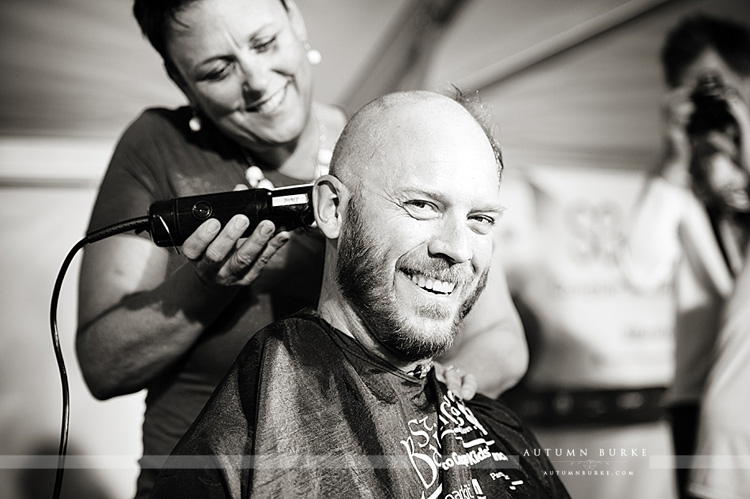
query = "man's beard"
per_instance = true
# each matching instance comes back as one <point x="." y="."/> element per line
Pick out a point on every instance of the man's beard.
<point x="366" y="284"/>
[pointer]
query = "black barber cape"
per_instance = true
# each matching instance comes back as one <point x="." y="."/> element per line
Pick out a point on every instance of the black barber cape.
<point x="307" y="412"/>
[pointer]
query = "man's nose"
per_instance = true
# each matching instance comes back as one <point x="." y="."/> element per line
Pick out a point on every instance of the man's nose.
<point x="453" y="241"/>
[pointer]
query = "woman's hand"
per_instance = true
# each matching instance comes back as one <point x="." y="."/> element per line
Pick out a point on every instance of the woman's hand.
<point x="224" y="257"/>
<point x="457" y="380"/>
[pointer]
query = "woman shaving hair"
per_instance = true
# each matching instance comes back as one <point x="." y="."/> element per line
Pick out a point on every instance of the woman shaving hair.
<point x="172" y="323"/>
<point x="152" y="318"/>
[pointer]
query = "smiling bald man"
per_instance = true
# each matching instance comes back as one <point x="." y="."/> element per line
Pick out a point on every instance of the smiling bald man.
<point x="342" y="401"/>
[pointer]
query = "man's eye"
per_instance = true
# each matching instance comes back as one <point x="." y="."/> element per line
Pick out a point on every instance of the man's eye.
<point x="420" y="208"/>
<point x="483" y="223"/>
<point x="420" y="204"/>
<point x="416" y="203"/>
<point x="485" y="219"/>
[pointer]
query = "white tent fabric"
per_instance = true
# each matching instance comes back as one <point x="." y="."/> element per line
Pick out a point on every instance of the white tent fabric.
<point x="79" y="70"/>
<point x="596" y="104"/>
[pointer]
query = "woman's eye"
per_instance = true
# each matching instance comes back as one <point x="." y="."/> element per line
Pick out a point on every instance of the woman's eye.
<point x="218" y="73"/>
<point x="264" y="45"/>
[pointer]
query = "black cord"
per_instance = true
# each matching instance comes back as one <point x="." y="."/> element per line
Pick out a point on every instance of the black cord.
<point x="136" y="224"/>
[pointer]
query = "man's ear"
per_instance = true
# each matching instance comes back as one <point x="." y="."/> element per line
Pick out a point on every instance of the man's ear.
<point x="329" y="197"/>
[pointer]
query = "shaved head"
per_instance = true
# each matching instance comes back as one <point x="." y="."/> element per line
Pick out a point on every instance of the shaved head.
<point x="404" y="116"/>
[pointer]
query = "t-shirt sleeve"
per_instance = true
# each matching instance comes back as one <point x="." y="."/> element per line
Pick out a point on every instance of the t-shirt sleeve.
<point x="131" y="182"/>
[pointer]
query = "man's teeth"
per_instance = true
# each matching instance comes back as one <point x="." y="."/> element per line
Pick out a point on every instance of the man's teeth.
<point x="433" y="284"/>
<point x="272" y="103"/>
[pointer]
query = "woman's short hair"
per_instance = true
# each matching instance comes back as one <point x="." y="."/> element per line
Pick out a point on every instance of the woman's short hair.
<point x="153" y="16"/>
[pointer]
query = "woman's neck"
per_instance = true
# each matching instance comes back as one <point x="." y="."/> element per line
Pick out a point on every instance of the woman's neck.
<point x="295" y="159"/>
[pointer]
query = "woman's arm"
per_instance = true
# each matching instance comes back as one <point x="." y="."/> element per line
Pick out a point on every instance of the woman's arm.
<point x="135" y="320"/>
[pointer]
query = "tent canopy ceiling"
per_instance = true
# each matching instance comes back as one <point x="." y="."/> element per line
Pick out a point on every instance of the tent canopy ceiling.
<point x="80" y="68"/>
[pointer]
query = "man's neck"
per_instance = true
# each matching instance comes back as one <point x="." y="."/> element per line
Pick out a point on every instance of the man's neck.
<point x="339" y="314"/>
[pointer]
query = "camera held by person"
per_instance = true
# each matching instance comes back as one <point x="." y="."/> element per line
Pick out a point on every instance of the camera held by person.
<point x="711" y="109"/>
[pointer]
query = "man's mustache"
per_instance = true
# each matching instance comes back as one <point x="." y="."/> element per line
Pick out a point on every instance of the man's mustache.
<point x="437" y="268"/>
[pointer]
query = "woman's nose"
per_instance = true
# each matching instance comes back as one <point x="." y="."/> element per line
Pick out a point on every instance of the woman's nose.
<point x="256" y="77"/>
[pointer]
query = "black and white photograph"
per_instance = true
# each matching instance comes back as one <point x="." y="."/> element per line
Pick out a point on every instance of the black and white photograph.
<point x="457" y="249"/>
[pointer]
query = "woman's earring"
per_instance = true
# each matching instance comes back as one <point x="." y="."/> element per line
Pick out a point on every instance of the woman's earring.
<point x="313" y="56"/>
<point x="195" y="122"/>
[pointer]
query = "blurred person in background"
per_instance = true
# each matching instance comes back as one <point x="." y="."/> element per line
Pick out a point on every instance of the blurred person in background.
<point x="599" y="350"/>
<point x="692" y="218"/>
<point x="688" y="229"/>
<point x="172" y="323"/>
<point x="722" y="456"/>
